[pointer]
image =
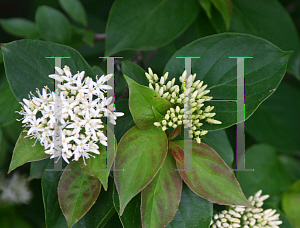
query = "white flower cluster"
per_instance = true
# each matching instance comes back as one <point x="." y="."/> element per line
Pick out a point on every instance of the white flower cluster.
<point x="77" y="112"/>
<point x="14" y="190"/>
<point x="245" y="217"/>
<point x="179" y="97"/>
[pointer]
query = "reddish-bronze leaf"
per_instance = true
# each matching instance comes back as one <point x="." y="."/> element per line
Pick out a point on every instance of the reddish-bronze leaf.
<point x="100" y="165"/>
<point x="140" y="154"/>
<point x="161" y="198"/>
<point x="174" y="133"/>
<point x="177" y="152"/>
<point x="214" y="181"/>
<point x="77" y="192"/>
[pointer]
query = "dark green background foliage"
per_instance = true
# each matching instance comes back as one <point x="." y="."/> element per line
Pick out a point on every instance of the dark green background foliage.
<point x="152" y="33"/>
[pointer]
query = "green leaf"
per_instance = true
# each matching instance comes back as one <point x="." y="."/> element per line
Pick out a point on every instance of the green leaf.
<point x="19" y="27"/>
<point x="131" y="217"/>
<point x="52" y="25"/>
<point x="218" y="140"/>
<point x="97" y="71"/>
<point x="201" y="27"/>
<point x="285" y="222"/>
<point x="3" y="148"/>
<point x="123" y="123"/>
<point x="53" y="214"/>
<point x="8" y="105"/>
<point x="75" y="10"/>
<point x="77" y="192"/>
<point x="225" y="8"/>
<point x="269" y="173"/>
<point x="142" y="99"/>
<point x="291" y="202"/>
<point x="292" y="166"/>
<point x="97" y="166"/>
<point x="140" y="154"/>
<point x="206" y="5"/>
<point x="27" y="68"/>
<point x="161" y="198"/>
<point x="263" y="72"/>
<point x="215" y="181"/>
<point x="113" y="222"/>
<point x="24" y="152"/>
<point x="193" y="211"/>
<point x="270" y="21"/>
<point x="278" y="114"/>
<point x="146" y="25"/>
<point x="88" y="37"/>
<point x="37" y="168"/>
<point x="135" y="72"/>
<point x="1" y="55"/>
<point x="12" y="132"/>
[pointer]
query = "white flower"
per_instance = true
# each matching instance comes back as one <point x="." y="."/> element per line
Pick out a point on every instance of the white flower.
<point x="14" y="190"/>
<point x="240" y="216"/>
<point x="100" y="87"/>
<point x="77" y="113"/>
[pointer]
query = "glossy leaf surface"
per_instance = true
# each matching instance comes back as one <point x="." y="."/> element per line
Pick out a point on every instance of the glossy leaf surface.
<point x="262" y="73"/>
<point x="27" y="68"/>
<point x="140" y="154"/>
<point x="145" y="105"/>
<point x="193" y="211"/>
<point x="160" y="199"/>
<point x="52" y="25"/>
<point x="211" y="178"/>
<point x="77" y="192"/>
<point x="99" y="166"/>
<point x="146" y="25"/>
<point x="24" y="151"/>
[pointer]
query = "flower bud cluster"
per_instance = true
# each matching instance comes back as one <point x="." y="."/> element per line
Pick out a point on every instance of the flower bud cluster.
<point x="179" y="97"/>
<point x="75" y="114"/>
<point x="245" y="217"/>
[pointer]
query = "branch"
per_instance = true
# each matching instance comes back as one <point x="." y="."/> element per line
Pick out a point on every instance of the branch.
<point x="98" y="36"/>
